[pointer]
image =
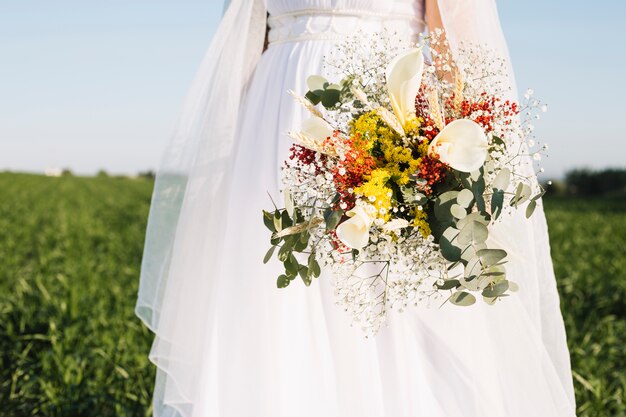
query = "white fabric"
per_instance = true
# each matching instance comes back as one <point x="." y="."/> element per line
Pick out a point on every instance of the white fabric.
<point x="230" y="344"/>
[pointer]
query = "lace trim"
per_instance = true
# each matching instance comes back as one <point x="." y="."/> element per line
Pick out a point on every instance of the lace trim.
<point x="318" y="24"/>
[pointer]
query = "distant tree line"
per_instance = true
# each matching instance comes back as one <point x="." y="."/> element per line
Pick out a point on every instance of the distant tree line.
<point x="587" y="182"/>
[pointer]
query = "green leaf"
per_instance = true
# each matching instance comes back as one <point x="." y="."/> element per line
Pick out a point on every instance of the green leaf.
<point x="330" y="97"/>
<point x="522" y="193"/>
<point x="449" y="250"/>
<point x="530" y="209"/>
<point x="314" y="97"/>
<point x="462" y="298"/>
<point x="491" y="256"/>
<point x="538" y="196"/>
<point x="473" y="268"/>
<point x="490" y="301"/>
<point x="269" y="254"/>
<point x="299" y="244"/>
<point x="497" y="201"/>
<point x="285" y="220"/>
<point x="304" y="275"/>
<point x="475" y="216"/>
<point x="469" y="252"/>
<point x="284" y="251"/>
<point x="458" y="211"/>
<point x="282" y="281"/>
<point x="277" y="221"/>
<point x="291" y="265"/>
<point x="502" y="180"/>
<point x="410" y="195"/>
<point x="496" y="290"/>
<point x="268" y="220"/>
<point x="465" y="198"/>
<point x="498" y="141"/>
<point x="314" y="266"/>
<point x="443" y="203"/>
<point x="473" y="233"/>
<point x="332" y="218"/>
<point x="449" y="284"/>
<point x="316" y="82"/>
<point x="478" y="188"/>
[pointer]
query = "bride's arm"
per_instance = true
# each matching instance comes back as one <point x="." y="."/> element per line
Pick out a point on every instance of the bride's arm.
<point x="433" y="16"/>
<point x="434" y="22"/>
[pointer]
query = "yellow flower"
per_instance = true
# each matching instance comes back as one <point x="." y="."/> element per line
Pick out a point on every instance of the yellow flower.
<point x="420" y="222"/>
<point x="377" y="193"/>
<point x="387" y="146"/>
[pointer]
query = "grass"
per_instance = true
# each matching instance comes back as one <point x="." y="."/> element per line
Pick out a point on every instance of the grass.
<point x="70" y="250"/>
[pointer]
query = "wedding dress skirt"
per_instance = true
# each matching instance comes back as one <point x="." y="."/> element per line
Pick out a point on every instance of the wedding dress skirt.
<point x="258" y="351"/>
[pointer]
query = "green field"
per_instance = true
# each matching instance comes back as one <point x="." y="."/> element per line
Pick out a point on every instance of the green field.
<point x="70" y="250"/>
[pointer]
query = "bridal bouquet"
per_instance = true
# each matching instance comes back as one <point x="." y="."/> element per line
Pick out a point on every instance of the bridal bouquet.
<point x="397" y="178"/>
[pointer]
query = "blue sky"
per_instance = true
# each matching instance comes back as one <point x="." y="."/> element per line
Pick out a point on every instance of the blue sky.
<point x="98" y="84"/>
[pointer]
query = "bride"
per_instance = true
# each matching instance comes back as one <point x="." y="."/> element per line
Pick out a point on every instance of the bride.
<point x="230" y="344"/>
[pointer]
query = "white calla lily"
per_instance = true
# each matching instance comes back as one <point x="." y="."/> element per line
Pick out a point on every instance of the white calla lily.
<point x="355" y="232"/>
<point x="404" y="77"/>
<point x="462" y="144"/>
<point x="317" y="128"/>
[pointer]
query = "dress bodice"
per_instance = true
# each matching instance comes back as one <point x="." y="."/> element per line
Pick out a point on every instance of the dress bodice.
<point x="415" y="7"/>
<point x="299" y="20"/>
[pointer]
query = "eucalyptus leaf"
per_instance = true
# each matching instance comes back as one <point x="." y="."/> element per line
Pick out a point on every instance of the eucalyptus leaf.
<point x="449" y="284"/>
<point x="522" y="193"/>
<point x="473" y="268"/>
<point x="465" y="198"/>
<point x="443" y="203"/>
<point x="469" y="252"/>
<point x="478" y="189"/>
<point x="538" y="196"/>
<point x="491" y="256"/>
<point x="449" y="250"/>
<point x="462" y="298"/>
<point x="530" y="209"/>
<point x="490" y="301"/>
<point x="316" y="82"/>
<point x="497" y="201"/>
<point x="502" y="180"/>
<point x="496" y="290"/>
<point x="470" y="283"/>
<point x="458" y="211"/>
<point x="473" y="233"/>
<point x="475" y="216"/>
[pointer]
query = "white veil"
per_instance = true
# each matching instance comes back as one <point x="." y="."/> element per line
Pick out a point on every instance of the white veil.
<point x="187" y="201"/>
<point x="190" y="191"/>
<point x="477" y="21"/>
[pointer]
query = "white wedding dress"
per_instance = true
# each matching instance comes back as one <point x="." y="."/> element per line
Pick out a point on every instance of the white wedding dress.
<point x="230" y="344"/>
